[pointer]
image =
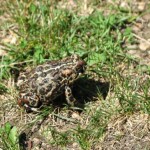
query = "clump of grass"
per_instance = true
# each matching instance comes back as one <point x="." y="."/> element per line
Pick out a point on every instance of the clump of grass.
<point x="9" y="137"/>
<point x="49" y="33"/>
<point x="3" y="88"/>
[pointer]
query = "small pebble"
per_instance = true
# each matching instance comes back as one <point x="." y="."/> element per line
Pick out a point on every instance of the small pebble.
<point x="144" y="45"/>
<point x="141" y="6"/>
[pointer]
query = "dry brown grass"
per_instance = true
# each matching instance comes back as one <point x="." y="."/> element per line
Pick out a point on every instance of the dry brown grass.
<point x="124" y="130"/>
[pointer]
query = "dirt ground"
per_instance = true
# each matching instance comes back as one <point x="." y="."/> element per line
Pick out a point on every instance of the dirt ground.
<point x="123" y="132"/>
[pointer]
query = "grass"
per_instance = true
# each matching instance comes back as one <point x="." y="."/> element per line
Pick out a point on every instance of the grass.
<point x="46" y="32"/>
<point x="9" y="137"/>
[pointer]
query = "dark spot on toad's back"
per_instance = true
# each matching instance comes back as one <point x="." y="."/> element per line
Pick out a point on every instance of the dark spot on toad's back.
<point x="33" y="84"/>
<point x="55" y="72"/>
<point x="35" y="75"/>
<point x="46" y="80"/>
<point x="22" y="78"/>
<point x="49" y="87"/>
<point x="39" y="68"/>
<point x="42" y="91"/>
<point x="43" y="74"/>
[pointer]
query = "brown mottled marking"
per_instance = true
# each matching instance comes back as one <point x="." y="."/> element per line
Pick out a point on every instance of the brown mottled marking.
<point x="33" y="83"/>
<point x="43" y="74"/>
<point x="66" y="72"/>
<point x="22" y="101"/>
<point x="42" y="91"/>
<point x="39" y="68"/>
<point x="46" y="80"/>
<point x="35" y="75"/>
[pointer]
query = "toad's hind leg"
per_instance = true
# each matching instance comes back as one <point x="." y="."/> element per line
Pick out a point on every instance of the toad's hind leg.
<point x="30" y="101"/>
<point x="69" y="97"/>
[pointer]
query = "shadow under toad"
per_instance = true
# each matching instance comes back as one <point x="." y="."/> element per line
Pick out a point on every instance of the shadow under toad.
<point x="84" y="90"/>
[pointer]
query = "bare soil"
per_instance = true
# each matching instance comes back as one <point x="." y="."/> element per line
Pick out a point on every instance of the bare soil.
<point x="123" y="132"/>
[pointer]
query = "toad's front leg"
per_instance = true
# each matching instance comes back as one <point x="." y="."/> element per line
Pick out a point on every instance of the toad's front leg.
<point x="69" y="97"/>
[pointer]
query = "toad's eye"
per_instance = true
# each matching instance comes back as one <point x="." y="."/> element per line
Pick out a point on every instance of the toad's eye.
<point x="81" y="63"/>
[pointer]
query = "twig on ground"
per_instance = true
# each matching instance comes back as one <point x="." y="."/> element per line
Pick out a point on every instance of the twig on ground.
<point x="138" y="37"/>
